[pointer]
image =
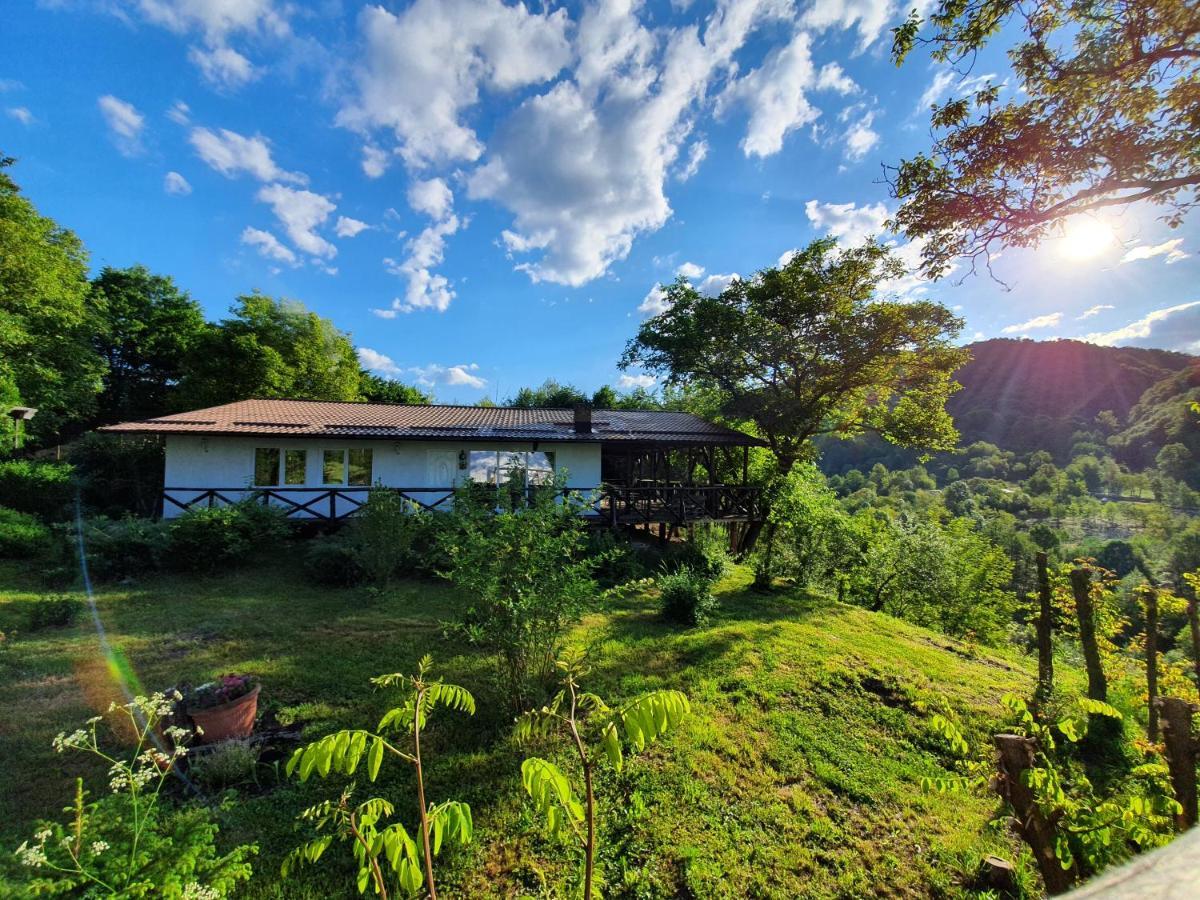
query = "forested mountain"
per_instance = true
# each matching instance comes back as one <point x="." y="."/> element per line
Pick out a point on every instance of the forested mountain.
<point x="1024" y="396"/>
<point x="1033" y="395"/>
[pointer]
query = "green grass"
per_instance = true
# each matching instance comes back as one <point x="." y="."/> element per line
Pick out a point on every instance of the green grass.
<point x="797" y="774"/>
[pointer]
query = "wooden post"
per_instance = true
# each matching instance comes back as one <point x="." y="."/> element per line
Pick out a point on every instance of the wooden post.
<point x="1181" y="756"/>
<point x="1017" y="756"/>
<point x="1045" y="635"/>
<point x="1150" y="599"/>
<point x="1081" y="587"/>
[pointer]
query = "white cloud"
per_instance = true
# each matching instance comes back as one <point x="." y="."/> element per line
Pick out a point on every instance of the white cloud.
<point x="695" y="156"/>
<point x="269" y="246"/>
<point x="642" y="380"/>
<point x="377" y="362"/>
<point x="715" y="283"/>
<point x="1169" y="249"/>
<point x="124" y="123"/>
<point x="834" y="78"/>
<point x="21" y="114"/>
<point x="223" y="67"/>
<point x="1172" y="328"/>
<point x="868" y="17"/>
<point x="176" y="184"/>
<point x="347" y="227"/>
<point x="424" y="66"/>
<point x="1050" y="320"/>
<point x="451" y="376"/>
<point x="432" y="197"/>
<point x="948" y="83"/>
<point x="231" y="154"/>
<point x="215" y="22"/>
<point x="848" y="222"/>
<point x="690" y="271"/>
<point x="774" y="95"/>
<point x="425" y="288"/>
<point x="180" y="113"/>
<point x="374" y="161"/>
<point x="582" y="166"/>
<point x="10" y="84"/>
<point x="301" y="213"/>
<point x="655" y="302"/>
<point x="860" y="138"/>
<point x="1093" y="311"/>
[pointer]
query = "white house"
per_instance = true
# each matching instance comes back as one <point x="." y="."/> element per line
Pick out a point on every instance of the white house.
<point x="318" y="459"/>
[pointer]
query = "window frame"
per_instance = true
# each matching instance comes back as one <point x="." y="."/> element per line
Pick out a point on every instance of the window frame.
<point x="497" y="469"/>
<point x="281" y="467"/>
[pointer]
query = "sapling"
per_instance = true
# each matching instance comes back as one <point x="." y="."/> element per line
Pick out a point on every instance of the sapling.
<point x="571" y="713"/>
<point x="343" y="751"/>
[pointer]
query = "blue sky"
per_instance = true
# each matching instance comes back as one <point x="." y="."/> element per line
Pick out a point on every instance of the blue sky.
<point x="485" y="194"/>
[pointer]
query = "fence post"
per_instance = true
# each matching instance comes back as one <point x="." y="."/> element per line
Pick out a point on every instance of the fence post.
<point x="1181" y="756"/>
<point x="1016" y="757"/>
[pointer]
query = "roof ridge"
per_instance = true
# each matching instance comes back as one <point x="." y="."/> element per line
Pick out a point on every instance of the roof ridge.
<point x="563" y="409"/>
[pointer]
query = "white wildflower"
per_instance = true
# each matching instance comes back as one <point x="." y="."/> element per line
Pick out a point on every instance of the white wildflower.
<point x="196" y="891"/>
<point x="99" y="847"/>
<point x="31" y="856"/>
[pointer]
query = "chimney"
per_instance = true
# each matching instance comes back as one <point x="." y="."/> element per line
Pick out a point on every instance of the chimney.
<point x="583" y="418"/>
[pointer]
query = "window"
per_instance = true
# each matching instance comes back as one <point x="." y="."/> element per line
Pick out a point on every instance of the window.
<point x="360" y="466"/>
<point x="348" y="466"/>
<point x="500" y="466"/>
<point x="335" y="467"/>
<point x="266" y="466"/>
<point x="294" y="464"/>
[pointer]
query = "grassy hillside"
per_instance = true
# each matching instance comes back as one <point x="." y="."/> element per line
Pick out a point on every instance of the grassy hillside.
<point x="796" y="776"/>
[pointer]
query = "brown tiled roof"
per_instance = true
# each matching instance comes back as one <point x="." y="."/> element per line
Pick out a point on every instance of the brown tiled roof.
<point x="387" y="421"/>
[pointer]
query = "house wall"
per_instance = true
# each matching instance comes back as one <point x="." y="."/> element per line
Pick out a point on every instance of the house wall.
<point x="195" y="464"/>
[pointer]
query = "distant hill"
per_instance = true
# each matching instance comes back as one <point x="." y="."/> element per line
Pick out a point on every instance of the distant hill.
<point x="1029" y="395"/>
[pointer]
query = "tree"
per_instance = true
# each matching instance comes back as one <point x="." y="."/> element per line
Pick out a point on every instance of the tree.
<point x="1105" y="116"/>
<point x="270" y="348"/>
<point x="46" y="359"/>
<point x="147" y="327"/>
<point x="388" y="390"/>
<point x="549" y="395"/>
<point x="806" y="349"/>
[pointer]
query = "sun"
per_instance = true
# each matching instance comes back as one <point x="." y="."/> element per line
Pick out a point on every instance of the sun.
<point x="1085" y="238"/>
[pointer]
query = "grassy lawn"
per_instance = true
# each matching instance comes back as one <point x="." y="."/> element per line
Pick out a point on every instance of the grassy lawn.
<point x="796" y="776"/>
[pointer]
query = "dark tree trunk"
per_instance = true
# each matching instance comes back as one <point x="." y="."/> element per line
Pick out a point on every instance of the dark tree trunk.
<point x="1038" y="831"/>
<point x="1081" y="587"/>
<point x="1045" y="636"/>
<point x="1193" y="615"/>
<point x="1150" y="597"/>
<point x="1181" y="757"/>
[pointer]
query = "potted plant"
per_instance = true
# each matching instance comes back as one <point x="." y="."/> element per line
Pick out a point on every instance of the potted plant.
<point x="224" y="708"/>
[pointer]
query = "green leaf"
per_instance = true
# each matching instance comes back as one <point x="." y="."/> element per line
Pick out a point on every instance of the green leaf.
<point x="552" y="795"/>
<point x="651" y="715"/>
<point x="375" y="759"/>
<point x="611" y="742"/>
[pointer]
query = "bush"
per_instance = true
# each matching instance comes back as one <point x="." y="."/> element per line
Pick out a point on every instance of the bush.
<point x="40" y="488"/>
<point x="225" y="765"/>
<point x="210" y="538"/>
<point x="122" y="548"/>
<point x="686" y="597"/>
<point x="332" y="561"/>
<point x="21" y="535"/>
<point x="54" y="611"/>
<point x="381" y="535"/>
<point x="617" y="560"/>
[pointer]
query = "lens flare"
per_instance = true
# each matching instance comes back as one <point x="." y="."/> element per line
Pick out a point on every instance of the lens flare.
<point x="1085" y="238"/>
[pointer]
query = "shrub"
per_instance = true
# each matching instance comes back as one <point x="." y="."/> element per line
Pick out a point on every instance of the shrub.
<point x="617" y="560"/>
<point x="381" y="535"/>
<point x="332" y="561"/>
<point x="210" y="538"/>
<point x="121" y="548"/>
<point x="225" y="765"/>
<point x="686" y="597"/>
<point x="21" y="535"/>
<point x="129" y="844"/>
<point x="41" y="488"/>
<point x="54" y="611"/>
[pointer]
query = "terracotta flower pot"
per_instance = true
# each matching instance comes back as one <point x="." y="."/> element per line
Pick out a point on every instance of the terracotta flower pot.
<point x="234" y="719"/>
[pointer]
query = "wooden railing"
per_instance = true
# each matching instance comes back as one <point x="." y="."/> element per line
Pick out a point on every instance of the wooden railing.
<point x="614" y="504"/>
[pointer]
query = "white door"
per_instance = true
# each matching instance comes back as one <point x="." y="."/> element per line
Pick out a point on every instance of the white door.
<point x="442" y="469"/>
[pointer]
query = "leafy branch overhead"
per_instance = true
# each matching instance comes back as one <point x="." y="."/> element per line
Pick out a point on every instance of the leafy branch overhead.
<point x="1106" y="115"/>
